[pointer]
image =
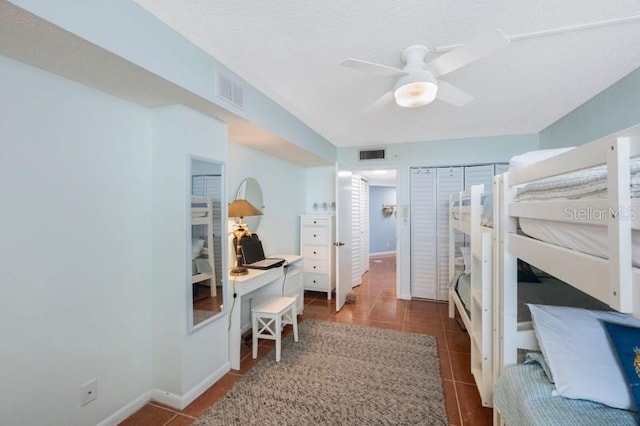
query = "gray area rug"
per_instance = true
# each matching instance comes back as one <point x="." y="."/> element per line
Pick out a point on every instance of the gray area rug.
<point x="201" y="315"/>
<point x="339" y="374"/>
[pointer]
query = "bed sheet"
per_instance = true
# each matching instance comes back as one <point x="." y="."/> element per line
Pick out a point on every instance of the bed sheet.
<point x="523" y="397"/>
<point x="462" y="286"/>
<point x="590" y="239"/>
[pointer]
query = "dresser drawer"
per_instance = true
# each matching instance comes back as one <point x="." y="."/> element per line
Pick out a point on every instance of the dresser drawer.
<point x="316" y="282"/>
<point x="315" y="252"/>
<point x="315" y="221"/>
<point x="319" y="266"/>
<point x="315" y="235"/>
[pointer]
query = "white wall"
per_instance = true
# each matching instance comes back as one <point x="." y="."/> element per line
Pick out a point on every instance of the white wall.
<point x="74" y="249"/>
<point x="182" y="362"/>
<point x="320" y="188"/>
<point x="283" y="191"/>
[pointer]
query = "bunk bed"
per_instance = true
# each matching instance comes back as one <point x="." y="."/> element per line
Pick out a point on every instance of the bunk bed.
<point x="202" y="256"/>
<point x="544" y="215"/>
<point x="470" y="291"/>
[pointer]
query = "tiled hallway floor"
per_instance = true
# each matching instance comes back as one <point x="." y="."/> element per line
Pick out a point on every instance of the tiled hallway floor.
<point x="376" y="306"/>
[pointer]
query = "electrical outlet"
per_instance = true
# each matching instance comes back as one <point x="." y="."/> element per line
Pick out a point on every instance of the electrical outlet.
<point x="89" y="392"/>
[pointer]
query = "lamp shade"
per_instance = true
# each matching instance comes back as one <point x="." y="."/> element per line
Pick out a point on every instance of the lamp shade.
<point x="242" y="208"/>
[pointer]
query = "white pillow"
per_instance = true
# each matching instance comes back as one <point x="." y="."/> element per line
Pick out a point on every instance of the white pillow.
<point x="466" y="257"/>
<point x="197" y="244"/>
<point x="528" y="158"/>
<point x="581" y="359"/>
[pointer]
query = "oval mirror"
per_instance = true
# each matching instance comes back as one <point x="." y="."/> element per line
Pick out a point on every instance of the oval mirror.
<point x="251" y="191"/>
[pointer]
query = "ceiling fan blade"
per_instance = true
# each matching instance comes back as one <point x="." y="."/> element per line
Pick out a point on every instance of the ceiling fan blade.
<point x="465" y="54"/>
<point x="380" y="102"/>
<point x="372" y="68"/>
<point x="452" y="95"/>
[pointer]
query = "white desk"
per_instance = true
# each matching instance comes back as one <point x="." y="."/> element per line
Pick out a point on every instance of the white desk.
<point x="257" y="284"/>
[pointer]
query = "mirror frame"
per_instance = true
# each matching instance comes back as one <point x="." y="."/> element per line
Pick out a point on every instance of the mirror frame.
<point x="191" y="327"/>
<point x="252" y="221"/>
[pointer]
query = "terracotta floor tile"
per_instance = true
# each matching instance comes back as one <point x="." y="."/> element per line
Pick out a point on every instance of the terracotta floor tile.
<point x="473" y="413"/>
<point x="451" y="402"/>
<point x="461" y="365"/>
<point x="211" y="395"/>
<point x="445" y="367"/>
<point x="387" y="313"/>
<point x="181" y="420"/>
<point x="458" y="341"/>
<point x="150" y="415"/>
<point x="430" y="329"/>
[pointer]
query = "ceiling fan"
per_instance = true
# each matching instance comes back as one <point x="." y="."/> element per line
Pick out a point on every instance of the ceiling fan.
<point x="418" y="82"/>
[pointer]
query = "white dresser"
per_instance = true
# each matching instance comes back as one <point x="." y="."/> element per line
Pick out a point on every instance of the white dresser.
<point x="317" y="233"/>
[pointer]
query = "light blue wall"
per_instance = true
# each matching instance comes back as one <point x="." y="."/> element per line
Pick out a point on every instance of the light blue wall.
<point x="382" y="230"/>
<point x="614" y="109"/>
<point x="75" y="251"/>
<point x="127" y="30"/>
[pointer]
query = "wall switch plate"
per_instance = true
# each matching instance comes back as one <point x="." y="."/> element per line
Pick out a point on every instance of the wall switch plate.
<point x="89" y="392"/>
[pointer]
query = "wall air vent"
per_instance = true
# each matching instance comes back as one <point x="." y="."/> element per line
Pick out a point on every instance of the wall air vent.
<point x="230" y="91"/>
<point x="372" y="154"/>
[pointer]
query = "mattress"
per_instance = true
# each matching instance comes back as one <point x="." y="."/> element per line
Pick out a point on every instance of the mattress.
<point x="462" y="286"/>
<point x="523" y="397"/>
<point x="487" y="210"/>
<point x="551" y="291"/>
<point x="589" y="239"/>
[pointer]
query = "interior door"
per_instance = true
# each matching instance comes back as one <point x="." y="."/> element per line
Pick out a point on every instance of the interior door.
<point x="343" y="245"/>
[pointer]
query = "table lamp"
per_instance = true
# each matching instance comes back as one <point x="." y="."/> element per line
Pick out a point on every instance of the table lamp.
<point x="239" y="209"/>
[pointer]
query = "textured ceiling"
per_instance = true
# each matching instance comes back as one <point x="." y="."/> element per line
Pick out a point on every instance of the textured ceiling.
<point x="291" y="51"/>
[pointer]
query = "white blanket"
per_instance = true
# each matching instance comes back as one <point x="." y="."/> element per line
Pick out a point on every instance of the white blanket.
<point x="590" y="183"/>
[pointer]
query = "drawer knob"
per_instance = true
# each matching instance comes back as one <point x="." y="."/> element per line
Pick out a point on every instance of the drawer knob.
<point x="314" y="267"/>
<point x="314" y="235"/>
<point x="315" y="252"/>
<point x="314" y="222"/>
<point x="314" y="281"/>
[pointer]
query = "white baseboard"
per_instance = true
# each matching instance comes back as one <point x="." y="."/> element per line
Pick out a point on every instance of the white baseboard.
<point x="127" y="410"/>
<point x="179" y="402"/>
<point x="167" y="398"/>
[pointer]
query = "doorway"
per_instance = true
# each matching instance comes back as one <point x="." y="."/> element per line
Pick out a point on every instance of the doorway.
<point x="381" y="216"/>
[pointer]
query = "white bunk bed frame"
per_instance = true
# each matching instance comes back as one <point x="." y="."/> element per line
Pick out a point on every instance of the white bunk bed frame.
<point x="480" y="325"/>
<point x="613" y="281"/>
<point x="204" y="216"/>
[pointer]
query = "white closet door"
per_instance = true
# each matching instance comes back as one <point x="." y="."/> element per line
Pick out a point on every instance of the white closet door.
<point x="364" y="227"/>
<point x="423" y="233"/>
<point x="450" y="180"/>
<point x="356" y="237"/>
<point x="479" y="175"/>
<point x="210" y="186"/>
<point x="501" y="168"/>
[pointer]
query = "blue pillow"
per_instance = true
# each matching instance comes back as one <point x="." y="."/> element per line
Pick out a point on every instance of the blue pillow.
<point x="626" y="342"/>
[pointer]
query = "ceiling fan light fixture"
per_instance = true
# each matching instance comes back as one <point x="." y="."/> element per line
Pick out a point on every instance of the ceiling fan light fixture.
<point x="416" y="89"/>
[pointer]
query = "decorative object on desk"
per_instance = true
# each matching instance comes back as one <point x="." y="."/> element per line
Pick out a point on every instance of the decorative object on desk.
<point x="365" y="376"/>
<point x="239" y="209"/>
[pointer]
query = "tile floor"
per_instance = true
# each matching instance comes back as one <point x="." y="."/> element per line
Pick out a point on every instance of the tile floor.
<point x="376" y="306"/>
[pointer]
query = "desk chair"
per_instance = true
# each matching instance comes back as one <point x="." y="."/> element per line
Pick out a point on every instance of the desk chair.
<point x="269" y="317"/>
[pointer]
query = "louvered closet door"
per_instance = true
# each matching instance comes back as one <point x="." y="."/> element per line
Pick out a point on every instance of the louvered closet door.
<point x="479" y="175"/>
<point x="450" y="180"/>
<point x="210" y="186"/>
<point x="364" y="227"/>
<point x="356" y="237"/>
<point x="423" y="233"/>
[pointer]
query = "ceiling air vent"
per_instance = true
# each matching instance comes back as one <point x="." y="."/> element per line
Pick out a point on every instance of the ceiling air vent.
<point x="372" y="154"/>
<point x="230" y="91"/>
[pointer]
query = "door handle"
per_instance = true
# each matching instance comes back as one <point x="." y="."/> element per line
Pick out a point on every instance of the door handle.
<point x="338" y="244"/>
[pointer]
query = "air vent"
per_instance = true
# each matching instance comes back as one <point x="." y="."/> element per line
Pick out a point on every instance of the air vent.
<point x="230" y="91"/>
<point x="372" y="154"/>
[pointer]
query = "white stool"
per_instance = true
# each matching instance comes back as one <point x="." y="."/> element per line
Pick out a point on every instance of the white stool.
<point x="269" y="317"/>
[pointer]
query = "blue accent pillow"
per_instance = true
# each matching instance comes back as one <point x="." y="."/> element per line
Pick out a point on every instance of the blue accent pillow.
<point x="626" y="342"/>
